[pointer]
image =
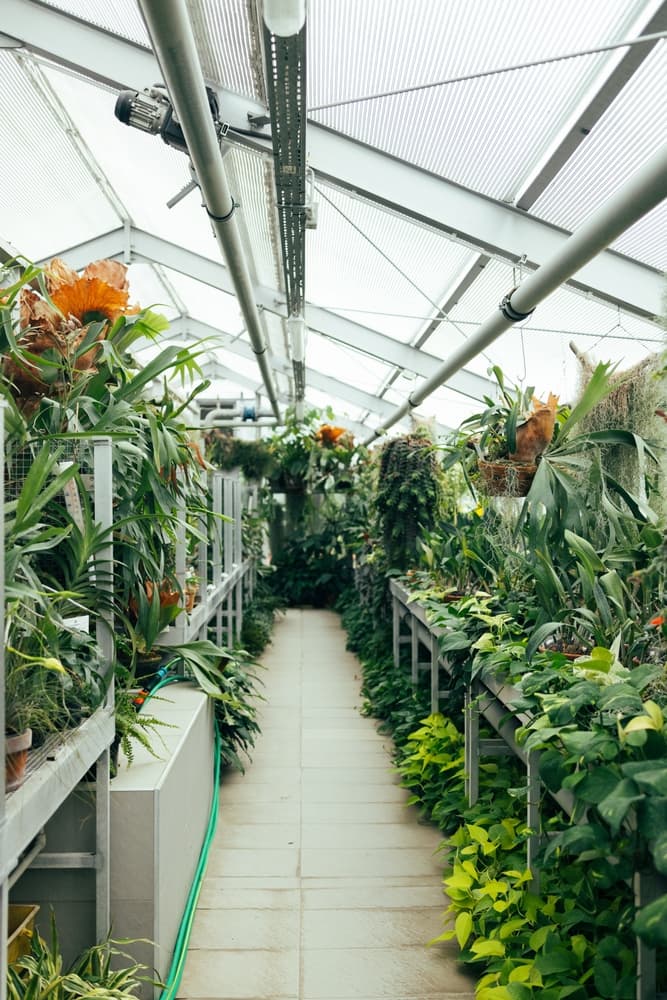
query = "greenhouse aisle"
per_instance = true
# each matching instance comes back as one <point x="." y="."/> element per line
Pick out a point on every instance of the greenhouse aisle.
<point x="320" y="883"/>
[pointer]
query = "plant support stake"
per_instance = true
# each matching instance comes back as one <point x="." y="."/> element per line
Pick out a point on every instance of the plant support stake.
<point x="645" y="189"/>
<point x="174" y="44"/>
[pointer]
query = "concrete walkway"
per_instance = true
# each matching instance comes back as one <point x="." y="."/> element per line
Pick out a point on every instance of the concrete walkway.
<point x="321" y="884"/>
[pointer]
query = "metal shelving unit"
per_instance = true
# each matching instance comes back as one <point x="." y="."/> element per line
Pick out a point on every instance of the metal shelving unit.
<point x="219" y="562"/>
<point x="62" y="762"/>
<point x="491" y="699"/>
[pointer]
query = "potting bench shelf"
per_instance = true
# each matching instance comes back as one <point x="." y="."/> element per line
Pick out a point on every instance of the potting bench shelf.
<point x="492" y="699"/>
<point x="54" y="771"/>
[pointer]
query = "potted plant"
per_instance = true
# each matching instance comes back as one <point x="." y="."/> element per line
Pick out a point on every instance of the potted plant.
<point x="504" y="442"/>
<point x="191" y="589"/>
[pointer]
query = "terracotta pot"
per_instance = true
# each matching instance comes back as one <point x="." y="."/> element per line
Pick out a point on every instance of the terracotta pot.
<point x="16" y="758"/>
<point x="190" y="596"/>
<point x="506" y="478"/>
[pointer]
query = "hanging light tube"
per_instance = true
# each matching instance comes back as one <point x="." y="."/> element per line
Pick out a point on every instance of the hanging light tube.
<point x="284" y="17"/>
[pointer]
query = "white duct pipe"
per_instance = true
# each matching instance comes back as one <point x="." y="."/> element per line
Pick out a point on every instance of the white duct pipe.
<point x="642" y="192"/>
<point x="215" y="418"/>
<point x="174" y="45"/>
<point x="264" y="422"/>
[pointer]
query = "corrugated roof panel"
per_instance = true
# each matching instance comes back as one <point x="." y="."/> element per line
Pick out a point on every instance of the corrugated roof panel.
<point x="148" y="291"/>
<point x="343" y="363"/>
<point x="249" y="176"/>
<point x="631" y="130"/>
<point x="465" y="131"/>
<point x="223" y="35"/>
<point x="122" y="17"/>
<point x="447" y="407"/>
<point x="48" y="198"/>
<point x="276" y="335"/>
<point x="347" y="274"/>
<point x="207" y="304"/>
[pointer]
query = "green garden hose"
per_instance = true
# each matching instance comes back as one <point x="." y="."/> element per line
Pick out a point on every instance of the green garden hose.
<point x="185" y="929"/>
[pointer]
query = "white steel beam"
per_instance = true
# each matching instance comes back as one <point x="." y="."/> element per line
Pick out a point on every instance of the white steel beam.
<point x="492" y="226"/>
<point x="318" y="380"/>
<point x="154" y="249"/>
<point x="213" y="369"/>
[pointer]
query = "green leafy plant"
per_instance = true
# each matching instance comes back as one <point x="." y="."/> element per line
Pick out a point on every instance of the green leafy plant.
<point x="229" y="678"/>
<point x="41" y="975"/>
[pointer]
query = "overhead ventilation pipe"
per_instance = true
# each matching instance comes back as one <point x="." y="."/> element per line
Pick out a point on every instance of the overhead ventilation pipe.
<point x="174" y="45"/>
<point x="642" y="192"/>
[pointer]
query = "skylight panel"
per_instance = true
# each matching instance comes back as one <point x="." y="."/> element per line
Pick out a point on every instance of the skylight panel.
<point x="49" y="200"/>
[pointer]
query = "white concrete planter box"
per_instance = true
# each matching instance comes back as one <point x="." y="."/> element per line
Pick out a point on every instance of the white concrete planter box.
<point x="159" y="814"/>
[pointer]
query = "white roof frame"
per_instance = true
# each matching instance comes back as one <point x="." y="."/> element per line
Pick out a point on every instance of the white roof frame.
<point x="213" y="369"/>
<point x="129" y="244"/>
<point x="491" y="226"/>
<point x="191" y="328"/>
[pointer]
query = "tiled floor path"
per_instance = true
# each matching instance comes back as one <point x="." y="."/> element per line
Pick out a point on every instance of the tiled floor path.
<point x="320" y="883"/>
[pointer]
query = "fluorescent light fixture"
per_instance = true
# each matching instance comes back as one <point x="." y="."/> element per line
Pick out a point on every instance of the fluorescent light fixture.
<point x="296" y="327"/>
<point x="284" y="17"/>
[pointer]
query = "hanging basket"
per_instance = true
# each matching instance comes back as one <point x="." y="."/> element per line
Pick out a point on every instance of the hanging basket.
<point x="506" y="478"/>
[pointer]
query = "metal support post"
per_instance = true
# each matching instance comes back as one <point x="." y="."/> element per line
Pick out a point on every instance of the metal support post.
<point x="646" y="888"/>
<point x="396" y="631"/>
<point x="414" y="650"/>
<point x="471" y="751"/>
<point x="533" y="820"/>
<point x="103" y="846"/>
<point x="435" y="675"/>
<point x="217" y="543"/>
<point x="103" y="502"/>
<point x="202" y="545"/>
<point x="227" y="534"/>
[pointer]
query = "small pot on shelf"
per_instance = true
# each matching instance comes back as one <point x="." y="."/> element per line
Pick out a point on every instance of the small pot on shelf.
<point x="17" y="746"/>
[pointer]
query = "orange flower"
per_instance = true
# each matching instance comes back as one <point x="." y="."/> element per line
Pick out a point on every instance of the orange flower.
<point x="101" y="293"/>
<point x="89" y="299"/>
<point x="657" y="621"/>
<point x="329" y="435"/>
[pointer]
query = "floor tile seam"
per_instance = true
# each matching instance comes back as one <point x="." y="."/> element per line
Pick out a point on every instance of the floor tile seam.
<point x="300" y="967"/>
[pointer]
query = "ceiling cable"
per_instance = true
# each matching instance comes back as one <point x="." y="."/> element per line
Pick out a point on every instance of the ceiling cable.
<point x="641" y="40"/>
<point x="440" y="315"/>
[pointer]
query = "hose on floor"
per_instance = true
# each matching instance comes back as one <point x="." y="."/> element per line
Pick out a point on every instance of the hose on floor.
<point x="175" y="972"/>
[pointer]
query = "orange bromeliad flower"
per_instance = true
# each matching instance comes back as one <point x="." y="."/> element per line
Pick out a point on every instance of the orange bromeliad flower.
<point x="53" y="329"/>
<point x="99" y="294"/>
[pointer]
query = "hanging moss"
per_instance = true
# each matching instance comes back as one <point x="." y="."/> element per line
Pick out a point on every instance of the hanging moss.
<point x="631" y="405"/>
<point x="409" y="495"/>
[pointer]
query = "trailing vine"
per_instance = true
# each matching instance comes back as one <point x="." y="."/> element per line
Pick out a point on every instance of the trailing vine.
<point x="409" y="496"/>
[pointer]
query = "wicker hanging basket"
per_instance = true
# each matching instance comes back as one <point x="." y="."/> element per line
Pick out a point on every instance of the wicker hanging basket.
<point x="506" y="478"/>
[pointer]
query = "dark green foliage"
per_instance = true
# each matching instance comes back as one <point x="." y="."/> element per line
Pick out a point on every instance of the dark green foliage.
<point x="235" y="712"/>
<point x="313" y="569"/>
<point x="254" y="458"/>
<point x="259" y="617"/>
<point x="409" y="496"/>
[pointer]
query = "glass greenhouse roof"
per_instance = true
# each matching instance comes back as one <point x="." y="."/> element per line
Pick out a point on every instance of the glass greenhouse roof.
<point x="439" y="160"/>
